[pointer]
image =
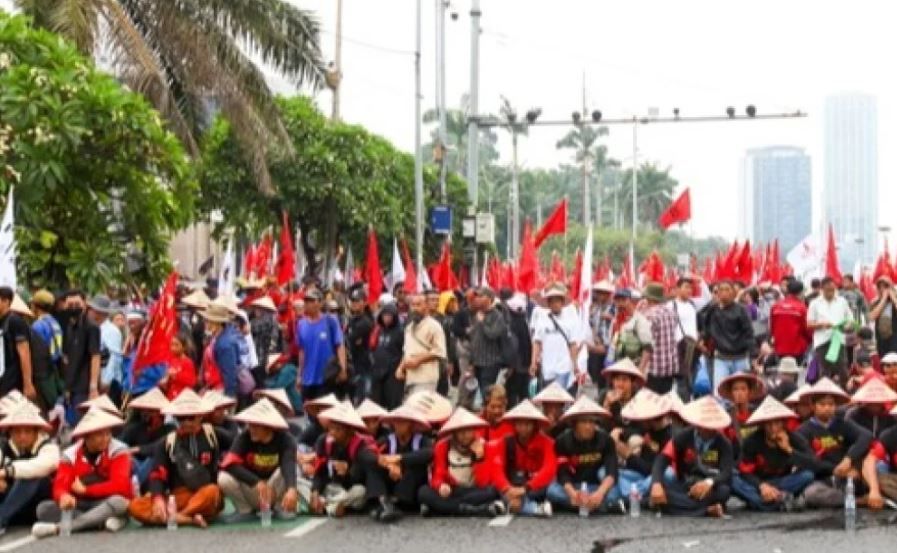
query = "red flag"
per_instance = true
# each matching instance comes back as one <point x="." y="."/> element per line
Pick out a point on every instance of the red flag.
<point x="867" y="285"/>
<point x="286" y="261"/>
<point x="262" y="257"/>
<point x="410" y="284"/>
<point x="555" y="224"/>
<point x="709" y="275"/>
<point x="652" y="267"/>
<point x="576" y="277"/>
<point x="528" y="265"/>
<point x="508" y="276"/>
<point x="372" y="274"/>
<point x="678" y="212"/>
<point x="557" y="272"/>
<point x="744" y="269"/>
<point x="602" y="271"/>
<point x="249" y="261"/>
<point x="495" y="273"/>
<point x="155" y="343"/>
<point x="445" y="278"/>
<point x="831" y="258"/>
<point x="626" y="278"/>
<point x="672" y="278"/>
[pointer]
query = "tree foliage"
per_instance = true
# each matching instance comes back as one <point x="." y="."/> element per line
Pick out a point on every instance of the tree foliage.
<point x="100" y="184"/>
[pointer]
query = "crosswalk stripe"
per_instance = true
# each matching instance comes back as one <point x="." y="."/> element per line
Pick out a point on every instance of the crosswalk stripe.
<point x="305" y="528"/>
<point x="15" y="544"/>
<point x="502" y="520"/>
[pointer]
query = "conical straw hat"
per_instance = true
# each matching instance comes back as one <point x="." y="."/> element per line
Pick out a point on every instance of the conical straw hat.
<point x="706" y="413"/>
<point x="825" y="387"/>
<point x="435" y="408"/>
<point x="526" y="411"/>
<point x="646" y="405"/>
<point x="188" y="404"/>
<point x="408" y="413"/>
<point x="153" y="400"/>
<point x="371" y="410"/>
<point x="755" y="385"/>
<point x="197" y="299"/>
<point x="462" y="419"/>
<point x="323" y="402"/>
<point x="624" y="366"/>
<point x="584" y="408"/>
<point x="103" y="402"/>
<point x="10" y="401"/>
<point x="217" y="400"/>
<point x="216" y="313"/>
<point x="797" y="395"/>
<point x="874" y="391"/>
<point x="770" y="410"/>
<point x="265" y="302"/>
<point x="553" y="393"/>
<point x="278" y="396"/>
<point x="676" y="404"/>
<point x="228" y="301"/>
<point x="94" y="420"/>
<point x="344" y="414"/>
<point x="19" y="306"/>
<point x="262" y="413"/>
<point x="25" y="414"/>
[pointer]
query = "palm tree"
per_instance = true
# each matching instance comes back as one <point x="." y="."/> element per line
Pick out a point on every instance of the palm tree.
<point x="188" y="57"/>
<point x="456" y="133"/>
<point x="589" y="155"/>
<point x="655" y="193"/>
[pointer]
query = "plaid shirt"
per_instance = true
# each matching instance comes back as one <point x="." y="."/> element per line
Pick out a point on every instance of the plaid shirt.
<point x="665" y="355"/>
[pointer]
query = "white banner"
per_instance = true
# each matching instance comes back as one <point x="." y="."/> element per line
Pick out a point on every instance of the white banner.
<point x="8" y="246"/>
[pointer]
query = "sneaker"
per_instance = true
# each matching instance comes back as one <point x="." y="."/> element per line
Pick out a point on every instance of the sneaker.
<point x="330" y="510"/>
<point x="44" y="529"/>
<point x="544" y="510"/>
<point x="497" y="508"/>
<point x="280" y="514"/>
<point x="388" y="512"/>
<point x="424" y="510"/>
<point x="788" y="502"/>
<point x="114" y="524"/>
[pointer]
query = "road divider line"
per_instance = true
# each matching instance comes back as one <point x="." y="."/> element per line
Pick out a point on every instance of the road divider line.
<point x="501" y="521"/>
<point x="15" y="544"/>
<point x="304" y="529"/>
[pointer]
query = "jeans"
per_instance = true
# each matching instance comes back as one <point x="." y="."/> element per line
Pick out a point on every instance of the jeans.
<point x="626" y="478"/>
<point x="286" y="378"/>
<point x="21" y="499"/>
<point x="559" y="499"/>
<point x="793" y="483"/>
<point x="565" y="380"/>
<point x="90" y="514"/>
<point x="531" y="502"/>
<point x="727" y="367"/>
<point x="141" y="468"/>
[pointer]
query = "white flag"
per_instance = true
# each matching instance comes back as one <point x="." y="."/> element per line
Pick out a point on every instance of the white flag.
<point x="484" y="281"/>
<point x="423" y="280"/>
<point x="806" y="257"/>
<point x="397" y="274"/>
<point x="228" y="269"/>
<point x="350" y="268"/>
<point x="299" y="254"/>
<point x="585" y="283"/>
<point x="8" y="246"/>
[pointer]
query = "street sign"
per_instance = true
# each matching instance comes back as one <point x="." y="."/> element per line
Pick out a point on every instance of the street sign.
<point x="469" y="228"/>
<point x="485" y="228"/>
<point x="441" y="219"/>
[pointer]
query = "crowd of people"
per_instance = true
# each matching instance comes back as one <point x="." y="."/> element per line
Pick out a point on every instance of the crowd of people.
<point x="479" y="402"/>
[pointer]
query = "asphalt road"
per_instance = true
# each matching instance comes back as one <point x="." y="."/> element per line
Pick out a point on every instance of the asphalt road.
<point x="808" y="532"/>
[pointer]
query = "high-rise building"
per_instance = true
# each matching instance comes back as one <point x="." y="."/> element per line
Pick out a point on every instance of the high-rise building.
<point x="776" y="196"/>
<point x="851" y="176"/>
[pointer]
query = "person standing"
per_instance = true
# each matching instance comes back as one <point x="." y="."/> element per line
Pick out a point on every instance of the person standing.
<point x="81" y="351"/>
<point x="788" y="324"/>
<point x="882" y="314"/>
<point x="686" y="335"/>
<point x="517" y="382"/>
<point x="855" y="299"/>
<point x="423" y="350"/>
<point x="664" y="366"/>
<point x="99" y="308"/>
<point x="320" y="341"/>
<point x="601" y="317"/>
<point x="358" y="338"/>
<point x="221" y="358"/>
<point x="15" y="365"/>
<point x="730" y="331"/>
<point x="388" y="342"/>
<point x="555" y="345"/>
<point x="487" y="331"/>
<point x="828" y="314"/>
<point x="46" y="350"/>
<point x="632" y="331"/>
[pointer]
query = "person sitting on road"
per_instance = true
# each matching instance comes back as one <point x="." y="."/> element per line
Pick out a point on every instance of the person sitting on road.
<point x="143" y="429"/>
<point x="776" y="464"/>
<point x="28" y="458"/>
<point x="93" y="480"/>
<point x="259" y="471"/>
<point x="625" y="380"/>
<point x="880" y="468"/>
<point x="372" y="413"/>
<point x="741" y="390"/>
<point x="185" y="467"/>
<point x="586" y="461"/>
<point x="871" y="405"/>
<point x="460" y="476"/>
<point x="802" y="407"/>
<point x="524" y="464"/>
<point x="219" y="416"/>
<point x="495" y="405"/>
<point x="553" y="400"/>
<point x="702" y="462"/>
<point x="650" y="429"/>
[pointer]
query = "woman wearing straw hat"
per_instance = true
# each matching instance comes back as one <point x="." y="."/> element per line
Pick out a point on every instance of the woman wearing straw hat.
<point x="776" y="465"/>
<point x="524" y="464"/>
<point x="260" y="468"/>
<point x="397" y="469"/>
<point x="838" y="444"/>
<point x="650" y="429"/>
<point x="93" y="480"/>
<point x="186" y="467"/>
<point x="29" y="458"/>
<point x="459" y="479"/>
<point x="702" y="462"/>
<point x="587" y="461"/>
<point x="372" y="414"/>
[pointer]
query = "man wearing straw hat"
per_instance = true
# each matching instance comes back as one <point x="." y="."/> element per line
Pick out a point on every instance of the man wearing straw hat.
<point x="555" y="340"/>
<point x="144" y="427"/>
<point x="93" y="480"/>
<point x="186" y="466"/>
<point x="776" y="465"/>
<point x="647" y="434"/>
<point x="702" y="462"/>
<point x="460" y="476"/>
<point x="221" y="358"/>
<point x="260" y="469"/>
<point x="15" y="355"/>
<point x="871" y="406"/>
<point x="29" y="458"/>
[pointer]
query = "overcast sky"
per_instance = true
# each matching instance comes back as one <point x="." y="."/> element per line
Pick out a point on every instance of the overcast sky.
<point x="700" y="56"/>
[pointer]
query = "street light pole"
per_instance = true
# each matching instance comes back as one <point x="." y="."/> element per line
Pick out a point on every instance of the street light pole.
<point x="473" y="131"/>
<point x="440" y="94"/>
<point x="418" y="162"/>
<point x="515" y="196"/>
<point x="634" y="191"/>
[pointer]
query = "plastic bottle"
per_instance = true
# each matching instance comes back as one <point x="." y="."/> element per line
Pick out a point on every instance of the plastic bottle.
<point x="584" y="490"/>
<point x="265" y="513"/>
<point x="850" y="507"/>
<point x="135" y="487"/>
<point x="533" y="388"/>
<point x="65" y="523"/>
<point x="635" y="502"/>
<point x="172" y="518"/>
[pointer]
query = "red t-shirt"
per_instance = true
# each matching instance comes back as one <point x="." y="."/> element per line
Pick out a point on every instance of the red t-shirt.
<point x="181" y="375"/>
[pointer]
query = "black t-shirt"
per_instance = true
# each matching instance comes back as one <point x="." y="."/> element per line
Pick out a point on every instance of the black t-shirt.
<point x="14" y="331"/>
<point x="250" y="461"/>
<point x="885" y="447"/>
<point x="580" y="461"/>
<point x="80" y="342"/>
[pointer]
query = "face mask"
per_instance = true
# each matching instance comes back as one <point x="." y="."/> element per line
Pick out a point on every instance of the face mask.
<point x="416" y="317"/>
<point x="73" y="312"/>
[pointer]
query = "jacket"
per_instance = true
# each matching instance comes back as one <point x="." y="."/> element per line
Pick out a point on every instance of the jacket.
<point x="440" y="473"/>
<point x="788" y="327"/>
<point x="833" y="442"/>
<point x="227" y="357"/>
<point x="109" y="475"/>
<point x="388" y="343"/>
<point x="731" y="330"/>
<point x="204" y="447"/>
<point x="485" y="339"/>
<point x="40" y="462"/>
<point x="532" y="465"/>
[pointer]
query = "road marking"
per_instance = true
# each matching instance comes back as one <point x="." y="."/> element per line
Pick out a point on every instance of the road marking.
<point x="15" y="544"/>
<point x="304" y="529"/>
<point x="502" y="520"/>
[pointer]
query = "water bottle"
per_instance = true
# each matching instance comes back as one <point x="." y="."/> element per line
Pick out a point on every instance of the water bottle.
<point x="635" y="502"/>
<point x="533" y="387"/>
<point x="135" y="487"/>
<point x="850" y="507"/>
<point x="584" y="490"/>
<point x="172" y="522"/>
<point x="265" y="513"/>
<point x="65" y="523"/>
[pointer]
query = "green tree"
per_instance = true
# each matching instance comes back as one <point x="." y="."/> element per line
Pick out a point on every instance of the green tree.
<point x="345" y="174"/>
<point x="655" y="194"/>
<point x="100" y="184"/>
<point x="456" y="133"/>
<point x="590" y="156"/>
<point x="189" y="58"/>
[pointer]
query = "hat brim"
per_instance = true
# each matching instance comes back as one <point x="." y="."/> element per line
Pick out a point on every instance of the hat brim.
<point x="215" y="318"/>
<point x="41" y="425"/>
<point x="611" y="372"/>
<point x="80" y="434"/>
<point x="471" y="426"/>
<point x="99" y="309"/>
<point x="757" y="388"/>
<point x="839" y="399"/>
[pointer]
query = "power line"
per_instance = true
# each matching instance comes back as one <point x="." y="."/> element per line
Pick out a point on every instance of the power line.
<point x="372" y="46"/>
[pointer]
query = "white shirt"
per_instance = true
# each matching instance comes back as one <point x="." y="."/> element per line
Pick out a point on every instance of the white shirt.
<point x="556" y="359"/>
<point x="688" y="318"/>
<point x="823" y="311"/>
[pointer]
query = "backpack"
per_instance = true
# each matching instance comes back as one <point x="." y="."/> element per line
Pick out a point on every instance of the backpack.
<point x="191" y="472"/>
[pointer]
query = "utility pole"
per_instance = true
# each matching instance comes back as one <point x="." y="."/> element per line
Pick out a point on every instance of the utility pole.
<point x="473" y="131"/>
<point x="418" y="161"/>
<point x="442" y="143"/>
<point x="635" y="123"/>
<point x="515" y="196"/>
<point x="584" y="155"/>
<point x="337" y="60"/>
